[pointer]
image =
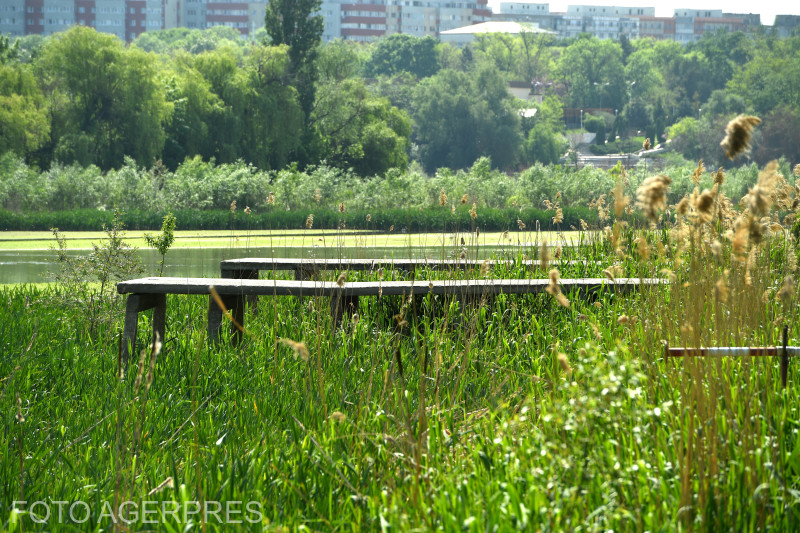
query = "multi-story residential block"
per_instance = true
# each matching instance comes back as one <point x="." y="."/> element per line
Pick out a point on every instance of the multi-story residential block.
<point x="786" y="25"/>
<point x="372" y="19"/>
<point x="12" y="18"/>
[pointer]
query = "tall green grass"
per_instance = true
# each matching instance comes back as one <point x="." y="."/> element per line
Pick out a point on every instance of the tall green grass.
<point x="425" y="413"/>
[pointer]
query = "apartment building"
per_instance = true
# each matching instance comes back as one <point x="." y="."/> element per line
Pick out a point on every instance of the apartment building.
<point x="615" y="22"/>
<point x="127" y="19"/>
<point x="372" y="19"/>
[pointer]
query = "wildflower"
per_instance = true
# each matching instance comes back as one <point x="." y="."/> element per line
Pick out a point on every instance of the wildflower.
<point x="464" y="199"/>
<point x="247" y="210"/>
<point x="233" y="207"/>
<point x="737" y="138"/>
<point x="369" y="217"/>
<point x="520" y="224"/>
<point x="338" y="416"/>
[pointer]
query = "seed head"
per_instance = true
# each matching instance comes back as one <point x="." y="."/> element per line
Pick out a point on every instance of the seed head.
<point x="564" y="363"/>
<point x="698" y="172"/>
<point x="247" y="210"/>
<point x="233" y="207"/>
<point x="719" y="177"/>
<point x="620" y="200"/>
<point x="299" y="348"/>
<point x="442" y="198"/>
<point x="646" y="144"/>
<point x="310" y="221"/>
<point x="721" y="288"/>
<point x="271" y="199"/>
<point x="787" y="290"/>
<point x="520" y="224"/>
<point x="683" y="206"/>
<point x="341" y="207"/>
<point x="559" y="218"/>
<point x="704" y="205"/>
<point x="317" y="195"/>
<point x="341" y="279"/>
<point x="369" y="217"/>
<point x="544" y="256"/>
<point x="762" y="195"/>
<point x="464" y="199"/>
<point x="555" y="290"/>
<point x="473" y="213"/>
<point x="737" y="138"/>
<point x="651" y="196"/>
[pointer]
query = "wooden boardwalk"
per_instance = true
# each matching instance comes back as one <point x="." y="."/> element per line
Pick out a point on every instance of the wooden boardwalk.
<point x="150" y="293"/>
<point x="249" y="268"/>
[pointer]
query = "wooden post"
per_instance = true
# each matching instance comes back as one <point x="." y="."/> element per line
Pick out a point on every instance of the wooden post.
<point x="135" y="304"/>
<point x="785" y="357"/>
<point x="234" y="304"/>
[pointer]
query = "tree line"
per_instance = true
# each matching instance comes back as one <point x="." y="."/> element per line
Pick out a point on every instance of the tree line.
<point x="284" y="99"/>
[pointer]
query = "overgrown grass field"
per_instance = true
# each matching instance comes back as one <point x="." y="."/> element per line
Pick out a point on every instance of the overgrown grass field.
<point x="509" y="413"/>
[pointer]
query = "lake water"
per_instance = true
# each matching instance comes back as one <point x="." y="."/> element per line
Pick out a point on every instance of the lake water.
<point x="34" y="266"/>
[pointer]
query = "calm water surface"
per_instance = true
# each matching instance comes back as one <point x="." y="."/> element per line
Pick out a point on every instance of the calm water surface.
<point x="35" y="266"/>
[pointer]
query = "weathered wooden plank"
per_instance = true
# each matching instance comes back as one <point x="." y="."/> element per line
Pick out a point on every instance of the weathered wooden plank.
<point x="228" y="286"/>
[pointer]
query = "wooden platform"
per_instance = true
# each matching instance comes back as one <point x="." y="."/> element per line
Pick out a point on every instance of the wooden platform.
<point x="150" y="293"/>
<point x="249" y="268"/>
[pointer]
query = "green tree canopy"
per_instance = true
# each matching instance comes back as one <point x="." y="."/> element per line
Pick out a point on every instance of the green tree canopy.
<point x="460" y="117"/>
<point x="592" y="70"/>
<point x="399" y="53"/>
<point x="106" y="100"/>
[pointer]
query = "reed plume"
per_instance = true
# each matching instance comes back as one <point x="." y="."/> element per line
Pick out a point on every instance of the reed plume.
<point x="737" y="138"/>
<point x="651" y="196"/>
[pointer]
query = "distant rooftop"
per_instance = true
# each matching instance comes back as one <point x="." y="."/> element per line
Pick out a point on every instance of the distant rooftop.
<point x="497" y="26"/>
